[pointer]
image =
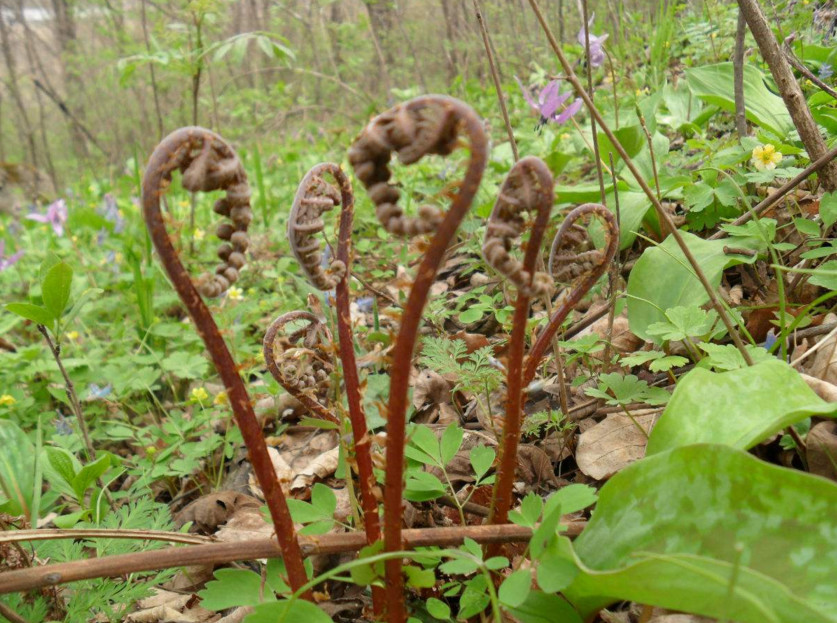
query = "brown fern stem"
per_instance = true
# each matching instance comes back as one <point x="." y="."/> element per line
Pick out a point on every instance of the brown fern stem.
<point x="425" y="125"/>
<point x="211" y="164"/>
<point x="546" y="336"/>
<point x="539" y="199"/>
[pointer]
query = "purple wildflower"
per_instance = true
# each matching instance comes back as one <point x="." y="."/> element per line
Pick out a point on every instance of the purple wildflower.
<point x="111" y="213"/>
<point x="597" y="55"/>
<point x="56" y="216"/>
<point x="826" y="71"/>
<point x="548" y="102"/>
<point x="8" y="262"/>
<point x="97" y="393"/>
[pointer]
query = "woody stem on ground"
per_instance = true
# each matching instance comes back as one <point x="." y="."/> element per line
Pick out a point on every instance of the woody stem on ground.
<point x="789" y="88"/>
<point x="496" y="77"/>
<point x="251" y="549"/>
<point x="661" y="212"/>
<point x="75" y="405"/>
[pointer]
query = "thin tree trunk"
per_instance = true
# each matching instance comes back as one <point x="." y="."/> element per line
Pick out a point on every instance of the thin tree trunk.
<point x="450" y="47"/>
<point x="738" y="77"/>
<point x="789" y="89"/>
<point x="14" y="89"/>
<point x="154" y="88"/>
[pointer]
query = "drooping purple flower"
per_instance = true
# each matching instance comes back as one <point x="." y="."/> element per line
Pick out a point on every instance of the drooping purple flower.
<point x="548" y="102"/>
<point x="597" y="55"/>
<point x="56" y="216"/>
<point x="97" y="393"/>
<point x="111" y="213"/>
<point x="8" y="262"/>
<point x="826" y="71"/>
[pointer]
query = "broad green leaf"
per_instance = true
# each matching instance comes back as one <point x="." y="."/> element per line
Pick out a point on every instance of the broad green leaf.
<point x="710" y="530"/>
<point x="64" y="463"/>
<point x="17" y="470"/>
<point x="738" y="408"/>
<point x="419" y="578"/>
<point x="234" y="587"/>
<point x="482" y="458"/>
<point x="825" y="275"/>
<point x="425" y="440"/>
<point x="556" y="567"/>
<point x="35" y="313"/>
<point x="450" y="443"/>
<point x="459" y="566"/>
<point x="297" y="611"/>
<point x="324" y="500"/>
<point x="55" y="288"/>
<point x="185" y="365"/>
<point x="530" y="511"/>
<point x="422" y="486"/>
<point x="713" y="84"/>
<point x="515" y="589"/>
<point x="438" y="609"/>
<point x="474" y="598"/>
<point x="542" y="608"/>
<point x="828" y="209"/>
<point x="662" y="278"/>
<point x="88" y="474"/>
<point x="574" y="498"/>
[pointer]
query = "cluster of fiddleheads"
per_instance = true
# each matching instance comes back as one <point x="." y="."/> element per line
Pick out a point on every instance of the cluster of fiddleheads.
<point x="301" y="360"/>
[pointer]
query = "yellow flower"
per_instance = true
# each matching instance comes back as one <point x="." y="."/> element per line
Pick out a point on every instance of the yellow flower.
<point x="221" y="398"/>
<point x="765" y="157"/>
<point x="72" y="335"/>
<point x="183" y="203"/>
<point x="199" y="234"/>
<point x="118" y="257"/>
<point x="7" y="400"/>
<point x="199" y="394"/>
<point x="235" y="294"/>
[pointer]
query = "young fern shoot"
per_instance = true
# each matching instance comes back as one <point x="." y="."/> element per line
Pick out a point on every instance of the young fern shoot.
<point x="303" y="370"/>
<point x="573" y="258"/>
<point x="527" y="188"/>
<point x="315" y="196"/>
<point x="208" y="163"/>
<point x="425" y="125"/>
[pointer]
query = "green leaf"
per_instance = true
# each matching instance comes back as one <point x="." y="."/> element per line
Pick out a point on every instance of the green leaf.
<point x="806" y="227"/>
<point x="297" y="611"/>
<point x="662" y="278"/>
<point x="80" y="302"/>
<point x="825" y="275"/>
<point x="88" y="474"/>
<point x="450" y="443"/>
<point x="324" y="500"/>
<point x="63" y="463"/>
<point x="459" y="566"/>
<point x="556" y="568"/>
<point x="35" y="313"/>
<point x="542" y="608"/>
<point x="738" y="408"/>
<point x="422" y="487"/>
<point x="419" y="578"/>
<point x="425" y="440"/>
<point x="17" y="470"/>
<point x="530" y="511"/>
<point x="55" y="288"/>
<point x="574" y="498"/>
<point x="725" y="357"/>
<point x="185" y="365"/>
<point x="232" y="588"/>
<point x="474" y="598"/>
<point x="711" y="530"/>
<point x="828" y="209"/>
<point x="472" y="314"/>
<point x="714" y="84"/>
<point x="515" y="589"/>
<point x="438" y="609"/>
<point x="482" y="458"/>
<point x="684" y="321"/>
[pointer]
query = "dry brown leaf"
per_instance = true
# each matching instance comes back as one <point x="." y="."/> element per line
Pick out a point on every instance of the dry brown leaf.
<point x="534" y="467"/>
<point x="210" y="511"/>
<point x="237" y="615"/>
<point x="168" y="607"/>
<point x="822" y="449"/>
<point x="430" y="389"/>
<point x="614" y="443"/>
<point x="321" y="467"/>
<point x="622" y="340"/>
<point x="245" y="524"/>
<point x="824" y="364"/>
<point x="826" y="391"/>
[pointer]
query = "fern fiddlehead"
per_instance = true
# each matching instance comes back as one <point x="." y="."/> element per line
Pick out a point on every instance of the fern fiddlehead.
<point x="315" y="196"/>
<point x="425" y="125"/>
<point x="572" y="256"/>
<point x="299" y="361"/>
<point x="208" y="163"/>
<point x="527" y="188"/>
